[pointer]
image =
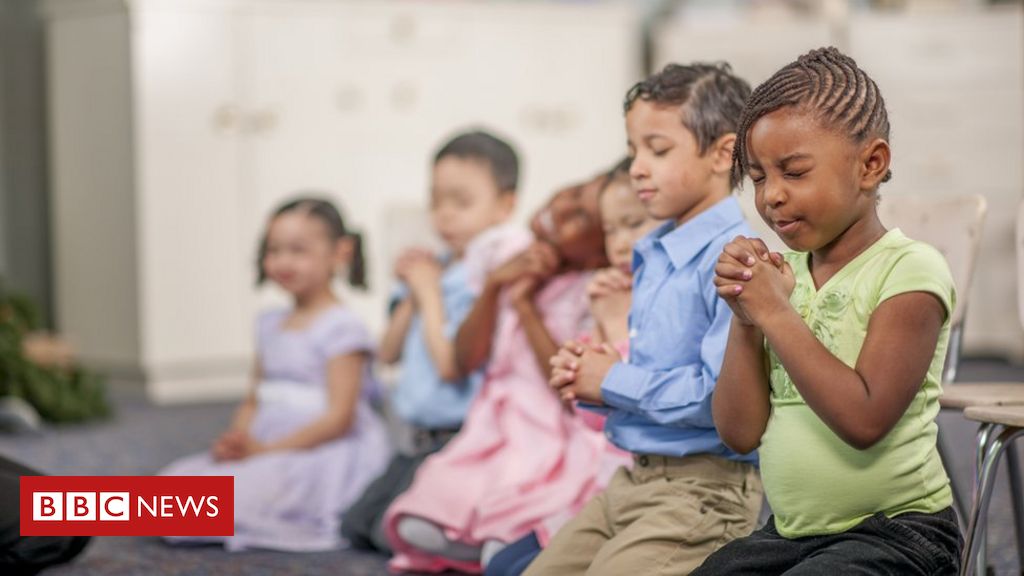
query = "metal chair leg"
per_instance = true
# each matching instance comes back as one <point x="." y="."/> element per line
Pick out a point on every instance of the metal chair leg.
<point x="982" y="497"/>
<point x="1017" y="498"/>
<point x="985" y="431"/>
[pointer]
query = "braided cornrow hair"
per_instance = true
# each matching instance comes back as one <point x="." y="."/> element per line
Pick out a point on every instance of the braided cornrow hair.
<point x="826" y="83"/>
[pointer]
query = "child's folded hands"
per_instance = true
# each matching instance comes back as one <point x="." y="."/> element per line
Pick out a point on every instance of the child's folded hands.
<point x="752" y="279"/>
<point x="578" y="370"/>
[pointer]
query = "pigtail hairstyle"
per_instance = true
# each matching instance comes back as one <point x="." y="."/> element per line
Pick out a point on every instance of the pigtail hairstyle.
<point x="327" y="213"/>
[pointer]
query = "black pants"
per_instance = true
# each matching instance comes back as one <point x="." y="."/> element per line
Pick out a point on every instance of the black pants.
<point x="363" y="524"/>
<point x="29" y="554"/>
<point x="905" y="545"/>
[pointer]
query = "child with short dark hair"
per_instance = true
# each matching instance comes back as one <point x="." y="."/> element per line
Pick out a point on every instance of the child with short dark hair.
<point x="521" y="455"/>
<point x="687" y="493"/>
<point x="835" y="352"/>
<point x="473" y="187"/>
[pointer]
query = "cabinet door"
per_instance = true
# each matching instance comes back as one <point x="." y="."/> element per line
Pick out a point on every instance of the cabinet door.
<point x="354" y="98"/>
<point x="196" y="273"/>
<point x="953" y="85"/>
<point x="753" y="48"/>
<point x="552" y="77"/>
<point x="342" y="103"/>
<point x="305" y="115"/>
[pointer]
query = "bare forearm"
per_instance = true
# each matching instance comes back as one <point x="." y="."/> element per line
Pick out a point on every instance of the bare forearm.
<point x="837" y="393"/>
<point x="344" y="376"/>
<point x="473" y="341"/>
<point x="614" y="332"/>
<point x="541" y="342"/>
<point x="325" y="429"/>
<point x="247" y="410"/>
<point x="442" y="352"/>
<point x="390" y="350"/>
<point x="741" y="404"/>
<point x="244" y="415"/>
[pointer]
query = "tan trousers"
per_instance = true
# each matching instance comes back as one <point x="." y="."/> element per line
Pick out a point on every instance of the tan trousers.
<point x="663" y="517"/>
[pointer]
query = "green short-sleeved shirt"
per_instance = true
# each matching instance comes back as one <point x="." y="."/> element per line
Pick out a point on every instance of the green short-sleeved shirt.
<point x="816" y="483"/>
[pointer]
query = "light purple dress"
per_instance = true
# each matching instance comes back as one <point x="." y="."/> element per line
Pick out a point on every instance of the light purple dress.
<point x="294" y="500"/>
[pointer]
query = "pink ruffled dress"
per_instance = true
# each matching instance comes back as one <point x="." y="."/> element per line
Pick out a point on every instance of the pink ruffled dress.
<point x="521" y="459"/>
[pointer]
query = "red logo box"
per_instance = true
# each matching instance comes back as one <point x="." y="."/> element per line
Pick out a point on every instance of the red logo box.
<point x="127" y="505"/>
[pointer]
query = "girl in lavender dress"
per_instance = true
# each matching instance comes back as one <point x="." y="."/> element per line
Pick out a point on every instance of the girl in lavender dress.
<point x="306" y="441"/>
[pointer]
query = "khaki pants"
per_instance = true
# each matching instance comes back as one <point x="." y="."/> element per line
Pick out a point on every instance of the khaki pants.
<point x="663" y="517"/>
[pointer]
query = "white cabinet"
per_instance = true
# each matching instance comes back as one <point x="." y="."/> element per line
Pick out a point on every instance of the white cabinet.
<point x="177" y="126"/>
<point x="194" y="272"/>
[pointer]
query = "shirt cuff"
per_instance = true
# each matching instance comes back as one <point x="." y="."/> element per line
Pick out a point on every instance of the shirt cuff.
<point x="595" y="408"/>
<point x="623" y="386"/>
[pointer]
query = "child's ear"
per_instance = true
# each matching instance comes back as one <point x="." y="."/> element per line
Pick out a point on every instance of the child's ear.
<point x="506" y="204"/>
<point x="344" y="250"/>
<point x="721" y="153"/>
<point x="873" y="164"/>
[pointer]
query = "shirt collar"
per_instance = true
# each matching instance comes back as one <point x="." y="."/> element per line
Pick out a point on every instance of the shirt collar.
<point x="683" y="243"/>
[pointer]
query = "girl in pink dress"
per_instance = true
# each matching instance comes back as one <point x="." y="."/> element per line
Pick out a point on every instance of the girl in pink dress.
<point x="522" y="455"/>
<point x="625" y="220"/>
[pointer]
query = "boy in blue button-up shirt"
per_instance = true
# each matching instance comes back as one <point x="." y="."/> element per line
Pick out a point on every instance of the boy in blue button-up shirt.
<point x="688" y="494"/>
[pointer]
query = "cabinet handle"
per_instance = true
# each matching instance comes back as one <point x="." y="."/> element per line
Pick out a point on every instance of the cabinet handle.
<point x="225" y="119"/>
<point x="349" y="98"/>
<point x="403" y="28"/>
<point x="261" y="121"/>
<point x="404" y="96"/>
<point x="550" y="119"/>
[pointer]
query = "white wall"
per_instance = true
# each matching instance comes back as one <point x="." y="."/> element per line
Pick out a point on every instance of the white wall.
<point x="24" y="229"/>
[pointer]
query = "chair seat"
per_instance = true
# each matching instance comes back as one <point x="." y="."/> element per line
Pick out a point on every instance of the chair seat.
<point x="1002" y="415"/>
<point x="960" y="396"/>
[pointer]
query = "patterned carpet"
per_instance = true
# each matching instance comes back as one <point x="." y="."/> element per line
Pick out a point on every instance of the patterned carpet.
<point x="142" y="438"/>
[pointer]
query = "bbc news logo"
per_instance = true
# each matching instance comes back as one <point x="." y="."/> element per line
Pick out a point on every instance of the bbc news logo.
<point x="127" y="505"/>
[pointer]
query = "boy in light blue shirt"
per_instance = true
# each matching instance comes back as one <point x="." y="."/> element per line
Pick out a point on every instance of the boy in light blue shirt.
<point x="423" y="397"/>
<point x="687" y="494"/>
<point x="473" y="186"/>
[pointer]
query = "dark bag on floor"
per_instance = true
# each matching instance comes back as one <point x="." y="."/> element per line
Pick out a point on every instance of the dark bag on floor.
<point x="29" y="554"/>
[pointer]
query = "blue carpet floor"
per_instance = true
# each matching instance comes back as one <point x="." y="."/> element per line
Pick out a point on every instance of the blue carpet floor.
<point x="142" y="438"/>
